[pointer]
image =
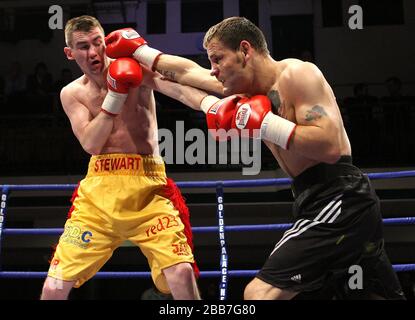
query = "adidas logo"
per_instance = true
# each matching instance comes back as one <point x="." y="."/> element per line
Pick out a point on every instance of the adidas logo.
<point x="296" y="278"/>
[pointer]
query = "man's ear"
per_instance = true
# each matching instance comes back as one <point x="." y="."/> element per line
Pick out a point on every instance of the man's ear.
<point x="68" y="53"/>
<point x="245" y="48"/>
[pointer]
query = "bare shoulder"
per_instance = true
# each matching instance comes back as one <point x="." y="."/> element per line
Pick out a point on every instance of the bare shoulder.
<point x="72" y="91"/>
<point x="296" y="70"/>
<point x="73" y="88"/>
<point x="299" y="77"/>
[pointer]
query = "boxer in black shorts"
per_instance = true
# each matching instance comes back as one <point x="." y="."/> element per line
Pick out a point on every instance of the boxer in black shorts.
<point x="338" y="225"/>
<point x="295" y="110"/>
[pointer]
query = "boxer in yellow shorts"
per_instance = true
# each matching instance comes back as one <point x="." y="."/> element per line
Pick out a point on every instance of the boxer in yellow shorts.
<point x="123" y="197"/>
<point x="112" y="112"/>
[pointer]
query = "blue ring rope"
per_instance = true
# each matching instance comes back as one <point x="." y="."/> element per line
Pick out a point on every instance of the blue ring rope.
<point x="146" y="274"/>
<point x="211" y="184"/>
<point x="250" y="227"/>
<point x="189" y="184"/>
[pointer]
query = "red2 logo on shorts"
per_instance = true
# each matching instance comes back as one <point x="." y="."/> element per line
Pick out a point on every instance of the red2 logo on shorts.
<point x="164" y="223"/>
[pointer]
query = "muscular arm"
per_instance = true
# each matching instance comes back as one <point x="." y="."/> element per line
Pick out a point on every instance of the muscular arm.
<point x="91" y="132"/>
<point x="127" y="42"/>
<point x="187" y="95"/>
<point x="188" y="72"/>
<point x="318" y="135"/>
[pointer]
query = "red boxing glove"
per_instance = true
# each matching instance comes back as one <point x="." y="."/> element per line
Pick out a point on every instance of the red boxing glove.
<point x="219" y="116"/>
<point x="128" y="43"/>
<point x="123" y="43"/>
<point x="255" y="113"/>
<point x="123" y="74"/>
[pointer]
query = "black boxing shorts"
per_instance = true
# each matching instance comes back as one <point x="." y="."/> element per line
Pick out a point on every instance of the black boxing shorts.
<point x="338" y="228"/>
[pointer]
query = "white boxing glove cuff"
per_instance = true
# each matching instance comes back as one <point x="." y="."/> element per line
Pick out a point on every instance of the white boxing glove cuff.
<point x="146" y="55"/>
<point x="113" y="102"/>
<point x="277" y="130"/>
<point x="207" y="102"/>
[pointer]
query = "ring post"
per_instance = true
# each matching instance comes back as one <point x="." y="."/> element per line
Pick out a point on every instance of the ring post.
<point x="223" y="286"/>
<point x="3" y="208"/>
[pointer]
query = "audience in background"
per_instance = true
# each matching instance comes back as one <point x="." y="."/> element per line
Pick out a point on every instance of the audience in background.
<point x="363" y="113"/>
<point x="40" y="82"/>
<point x="2" y="84"/>
<point x="66" y="77"/>
<point x="14" y="88"/>
<point x="307" y="55"/>
<point x="361" y="95"/>
<point x="394" y="87"/>
<point x="39" y="87"/>
<point x="15" y="81"/>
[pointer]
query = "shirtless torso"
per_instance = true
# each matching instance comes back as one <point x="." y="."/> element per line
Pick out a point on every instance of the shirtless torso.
<point x="281" y="95"/>
<point x="134" y="130"/>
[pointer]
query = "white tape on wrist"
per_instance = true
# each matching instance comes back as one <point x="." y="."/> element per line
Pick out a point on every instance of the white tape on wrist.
<point x="277" y="130"/>
<point x="146" y="55"/>
<point x="207" y="102"/>
<point x="113" y="102"/>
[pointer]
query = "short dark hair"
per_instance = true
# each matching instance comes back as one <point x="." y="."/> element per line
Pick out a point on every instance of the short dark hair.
<point x="233" y="30"/>
<point x="82" y="23"/>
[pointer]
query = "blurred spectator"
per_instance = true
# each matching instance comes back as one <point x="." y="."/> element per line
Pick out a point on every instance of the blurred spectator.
<point x="306" y="55"/>
<point x="66" y="77"/>
<point x="40" y="82"/>
<point x="1" y="85"/>
<point x="2" y="98"/>
<point x="394" y="86"/>
<point x="360" y="95"/>
<point x="15" y="80"/>
<point x="39" y="87"/>
<point x="14" y="89"/>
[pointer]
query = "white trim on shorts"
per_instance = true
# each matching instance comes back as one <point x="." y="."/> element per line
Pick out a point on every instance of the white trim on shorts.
<point x="303" y="225"/>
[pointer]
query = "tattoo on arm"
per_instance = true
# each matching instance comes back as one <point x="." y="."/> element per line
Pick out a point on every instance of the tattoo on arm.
<point x="274" y="97"/>
<point x="315" y="113"/>
<point x="168" y="74"/>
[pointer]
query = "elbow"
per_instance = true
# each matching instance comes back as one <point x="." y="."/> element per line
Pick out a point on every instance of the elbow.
<point x="91" y="149"/>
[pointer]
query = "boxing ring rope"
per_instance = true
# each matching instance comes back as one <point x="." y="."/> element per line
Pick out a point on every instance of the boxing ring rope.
<point x="223" y="273"/>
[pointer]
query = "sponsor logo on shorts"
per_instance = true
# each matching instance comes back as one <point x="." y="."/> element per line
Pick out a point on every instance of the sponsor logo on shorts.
<point x="296" y="278"/>
<point x="181" y="249"/>
<point x="54" y="264"/>
<point x="163" y="223"/>
<point x="76" y="236"/>
<point x="112" y="164"/>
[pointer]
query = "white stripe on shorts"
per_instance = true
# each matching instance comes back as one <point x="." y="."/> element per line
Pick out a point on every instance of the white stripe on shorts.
<point x="303" y="225"/>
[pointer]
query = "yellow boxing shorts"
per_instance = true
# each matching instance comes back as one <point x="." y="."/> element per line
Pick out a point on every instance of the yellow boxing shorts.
<point x="123" y="197"/>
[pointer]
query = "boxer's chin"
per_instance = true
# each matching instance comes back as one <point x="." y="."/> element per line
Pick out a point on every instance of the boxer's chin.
<point x="96" y="67"/>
